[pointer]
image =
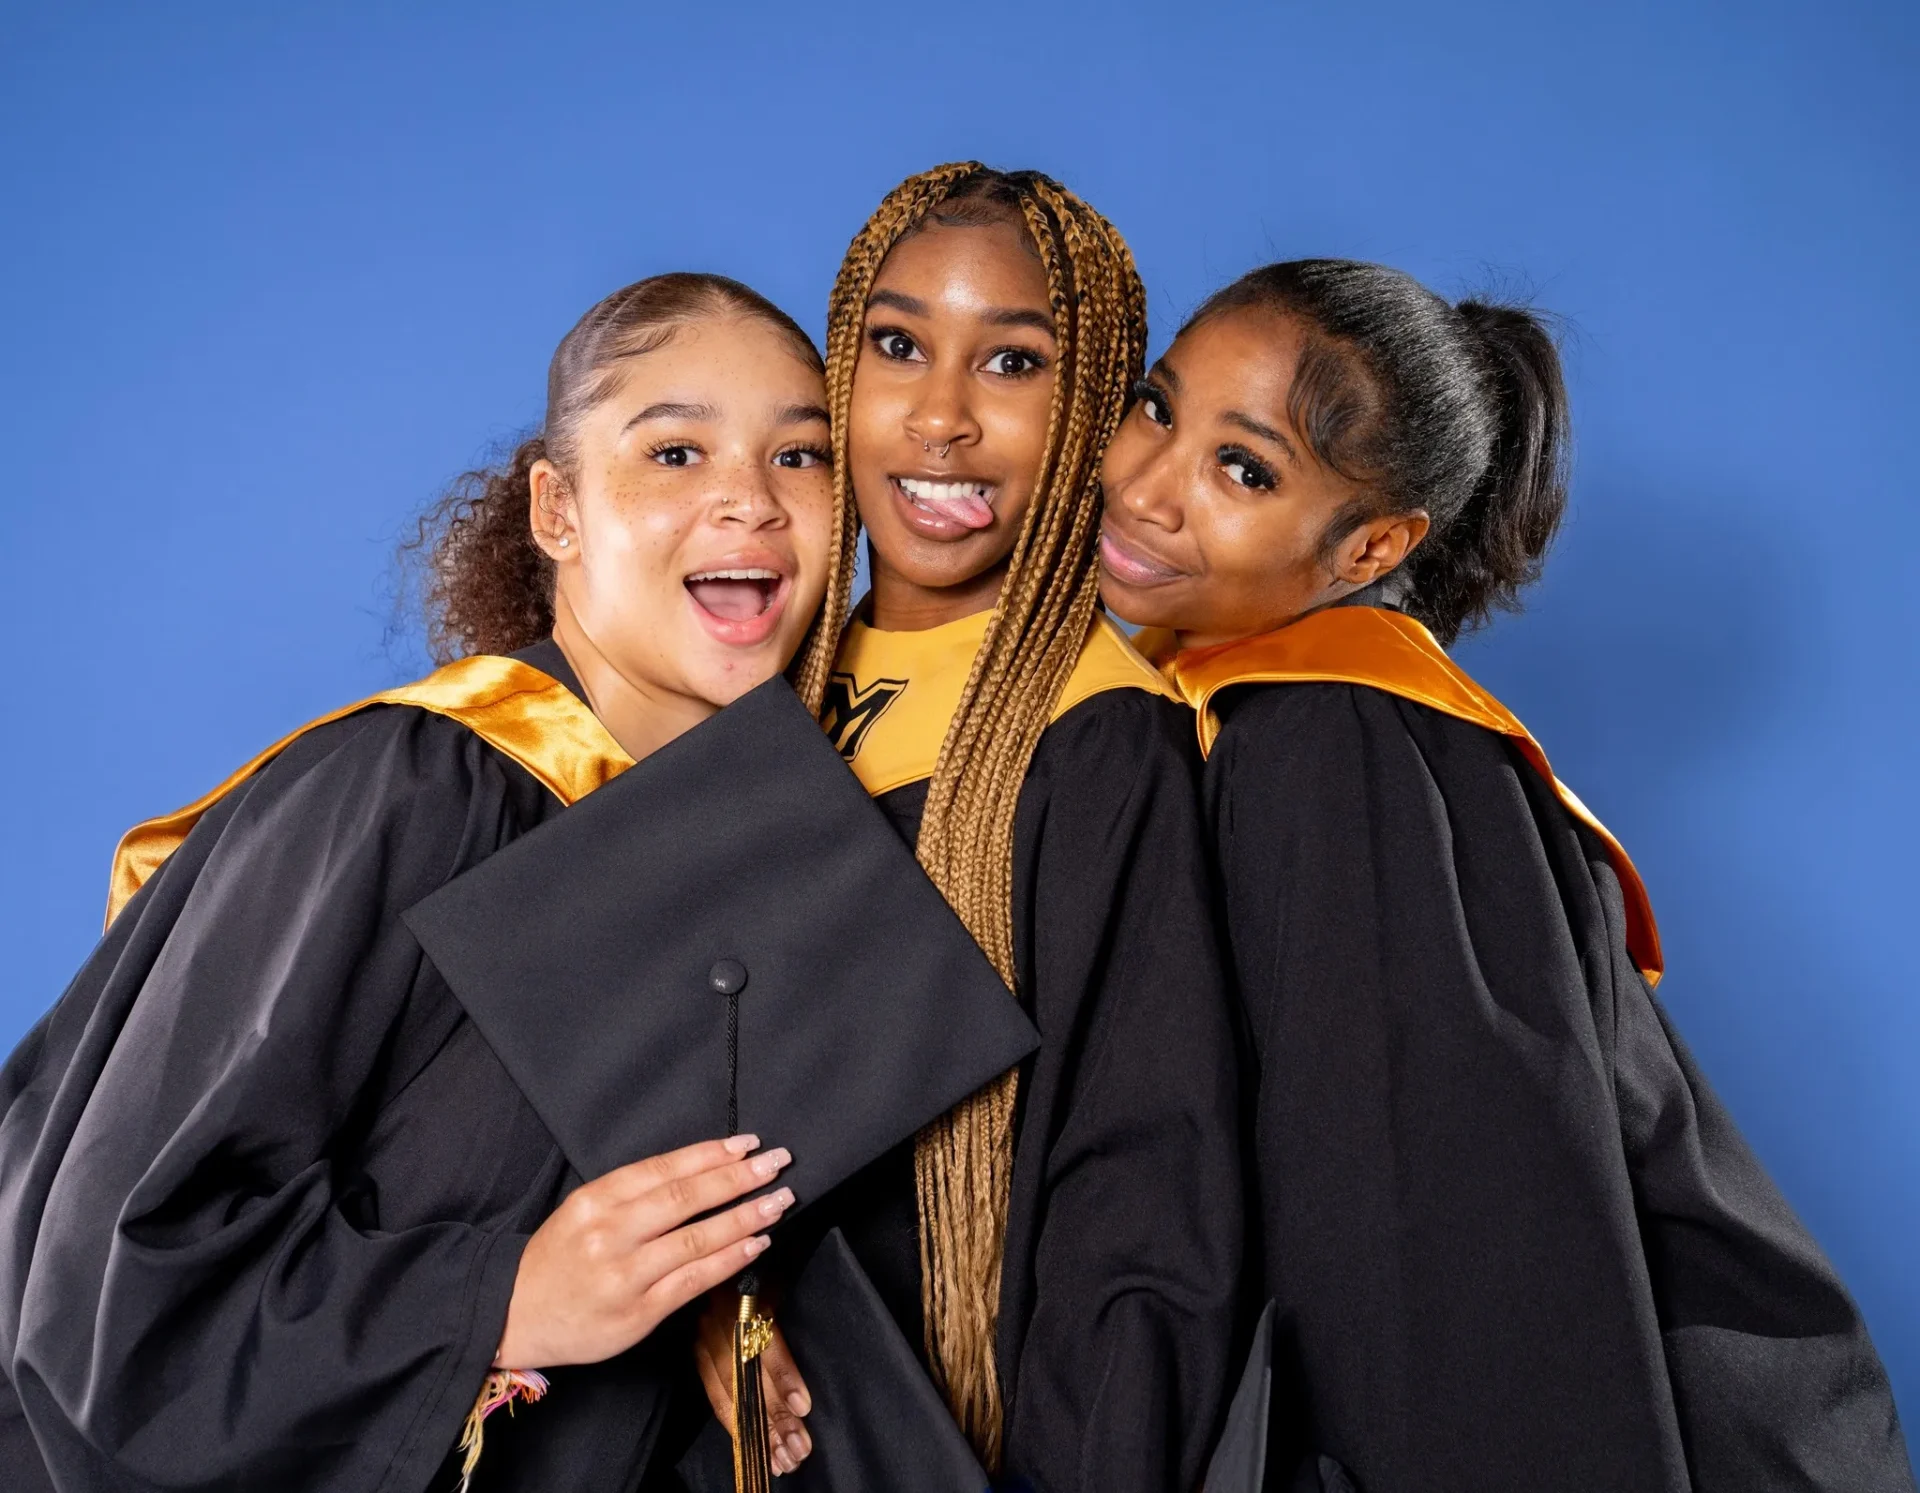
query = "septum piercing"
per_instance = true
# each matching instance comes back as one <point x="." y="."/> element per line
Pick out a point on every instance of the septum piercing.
<point x="941" y="453"/>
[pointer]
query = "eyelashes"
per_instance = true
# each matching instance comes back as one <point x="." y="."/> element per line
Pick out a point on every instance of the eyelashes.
<point x="1251" y="471"/>
<point x="686" y="451"/>
<point x="897" y="345"/>
<point x="1241" y="466"/>
<point x="1031" y="362"/>
<point x="893" y="344"/>
<point x="671" y="453"/>
<point x="1153" y="402"/>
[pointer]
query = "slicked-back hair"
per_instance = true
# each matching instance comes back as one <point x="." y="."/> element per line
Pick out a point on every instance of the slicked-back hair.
<point x="1460" y="410"/>
<point x="964" y="1161"/>
<point x="487" y="587"/>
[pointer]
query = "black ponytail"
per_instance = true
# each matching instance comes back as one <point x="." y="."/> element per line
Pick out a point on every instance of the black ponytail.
<point x="1458" y="410"/>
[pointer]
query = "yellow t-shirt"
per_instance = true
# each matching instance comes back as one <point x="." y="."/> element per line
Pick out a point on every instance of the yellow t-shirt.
<point x="893" y="694"/>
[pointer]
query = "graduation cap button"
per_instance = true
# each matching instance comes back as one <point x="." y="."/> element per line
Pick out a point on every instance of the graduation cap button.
<point x="727" y="977"/>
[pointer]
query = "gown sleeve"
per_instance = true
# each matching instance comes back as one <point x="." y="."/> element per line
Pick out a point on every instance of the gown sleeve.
<point x="1127" y="1179"/>
<point x="190" y="1300"/>
<point x="1515" y="1240"/>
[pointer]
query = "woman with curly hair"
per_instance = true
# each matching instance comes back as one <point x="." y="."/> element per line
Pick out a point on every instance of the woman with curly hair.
<point x="384" y="1091"/>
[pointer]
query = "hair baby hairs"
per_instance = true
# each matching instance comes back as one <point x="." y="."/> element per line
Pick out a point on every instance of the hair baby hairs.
<point x="486" y="586"/>
<point x="1460" y="410"/>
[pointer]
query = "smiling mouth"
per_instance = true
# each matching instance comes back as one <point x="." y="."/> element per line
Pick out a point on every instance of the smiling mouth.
<point x="735" y="595"/>
<point x="966" y="503"/>
<point x="1132" y="566"/>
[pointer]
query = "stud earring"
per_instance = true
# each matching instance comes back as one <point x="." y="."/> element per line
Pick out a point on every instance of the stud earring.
<point x="564" y="541"/>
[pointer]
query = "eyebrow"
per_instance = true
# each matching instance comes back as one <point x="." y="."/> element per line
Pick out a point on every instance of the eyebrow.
<point x="1040" y="321"/>
<point x="1266" y="432"/>
<point x="802" y="414"/>
<point x="999" y="316"/>
<point x="670" y="411"/>
<point x="910" y="304"/>
<point x="1163" y="370"/>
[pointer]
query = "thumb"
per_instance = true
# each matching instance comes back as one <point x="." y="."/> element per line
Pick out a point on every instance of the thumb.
<point x="783" y="1376"/>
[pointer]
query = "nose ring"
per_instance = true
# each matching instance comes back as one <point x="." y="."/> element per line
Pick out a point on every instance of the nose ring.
<point x="941" y="453"/>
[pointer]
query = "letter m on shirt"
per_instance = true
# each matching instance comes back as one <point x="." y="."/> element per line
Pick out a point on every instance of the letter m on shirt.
<point x="849" y="711"/>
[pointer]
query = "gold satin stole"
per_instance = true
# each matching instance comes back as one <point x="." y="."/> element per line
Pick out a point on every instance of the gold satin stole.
<point x="512" y="706"/>
<point x="1388" y="651"/>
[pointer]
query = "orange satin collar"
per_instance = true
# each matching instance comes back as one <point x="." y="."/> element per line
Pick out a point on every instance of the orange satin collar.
<point x="513" y="707"/>
<point x="1387" y="651"/>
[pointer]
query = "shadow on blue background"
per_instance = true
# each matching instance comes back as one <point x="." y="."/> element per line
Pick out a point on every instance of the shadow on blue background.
<point x="273" y="275"/>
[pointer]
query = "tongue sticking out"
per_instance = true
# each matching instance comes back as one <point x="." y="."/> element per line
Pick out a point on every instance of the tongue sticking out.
<point x="736" y="601"/>
<point x="970" y="511"/>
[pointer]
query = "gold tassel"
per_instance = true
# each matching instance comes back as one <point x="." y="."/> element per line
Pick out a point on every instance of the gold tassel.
<point x="752" y="1456"/>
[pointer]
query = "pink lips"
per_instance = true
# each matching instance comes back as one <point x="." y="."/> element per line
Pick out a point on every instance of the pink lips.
<point x="741" y="613"/>
<point x="1130" y="566"/>
<point x="946" y="517"/>
<point x="970" y="512"/>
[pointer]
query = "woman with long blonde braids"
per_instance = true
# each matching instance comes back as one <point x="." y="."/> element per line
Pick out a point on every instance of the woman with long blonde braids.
<point x="1062" y="1246"/>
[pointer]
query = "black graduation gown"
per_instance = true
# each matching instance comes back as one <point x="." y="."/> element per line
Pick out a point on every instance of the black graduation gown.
<point x="243" y="1276"/>
<point x="1126" y="1229"/>
<point x="1515" y="1240"/>
<point x="266" y="1183"/>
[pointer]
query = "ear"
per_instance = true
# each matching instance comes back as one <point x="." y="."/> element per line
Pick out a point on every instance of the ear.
<point x="552" y="513"/>
<point x="1377" y="548"/>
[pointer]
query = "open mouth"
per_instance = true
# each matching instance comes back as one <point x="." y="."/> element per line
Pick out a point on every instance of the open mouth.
<point x="735" y="595"/>
<point x="962" y="502"/>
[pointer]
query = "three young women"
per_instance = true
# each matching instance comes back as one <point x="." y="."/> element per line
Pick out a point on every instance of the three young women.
<point x="1515" y="1240"/>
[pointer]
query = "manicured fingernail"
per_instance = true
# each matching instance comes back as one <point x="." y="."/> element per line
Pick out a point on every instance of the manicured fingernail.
<point x="757" y="1243"/>
<point x="775" y="1203"/>
<point x="741" y="1144"/>
<point x="769" y="1162"/>
<point x="797" y="1403"/>
<point x="797" y="1449"/>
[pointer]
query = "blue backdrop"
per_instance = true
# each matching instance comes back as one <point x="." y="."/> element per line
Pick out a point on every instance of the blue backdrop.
<point x="271" y="274"/>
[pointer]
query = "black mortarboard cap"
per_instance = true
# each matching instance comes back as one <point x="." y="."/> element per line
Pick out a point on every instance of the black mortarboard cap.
<point x="731" y="910"/>
<point x="878" y="1425"/>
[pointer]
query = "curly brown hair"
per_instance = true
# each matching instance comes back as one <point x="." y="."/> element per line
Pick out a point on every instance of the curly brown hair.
<point x="485" y="586"/>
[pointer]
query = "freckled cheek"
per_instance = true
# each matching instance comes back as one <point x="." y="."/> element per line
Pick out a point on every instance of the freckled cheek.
<point x="643" y="522"/>
<point x="810" y="514"/>
<point x="640" y="546"/>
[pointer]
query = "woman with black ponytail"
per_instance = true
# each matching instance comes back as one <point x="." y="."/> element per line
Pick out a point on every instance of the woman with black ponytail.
<point x="1514" y="1240"/>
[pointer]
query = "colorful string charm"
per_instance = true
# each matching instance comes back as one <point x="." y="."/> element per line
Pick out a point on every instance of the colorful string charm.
<point x="503" y="1387"/>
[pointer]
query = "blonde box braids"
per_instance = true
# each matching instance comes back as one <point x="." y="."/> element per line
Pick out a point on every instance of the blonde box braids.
<point x="964" y="1160"/>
